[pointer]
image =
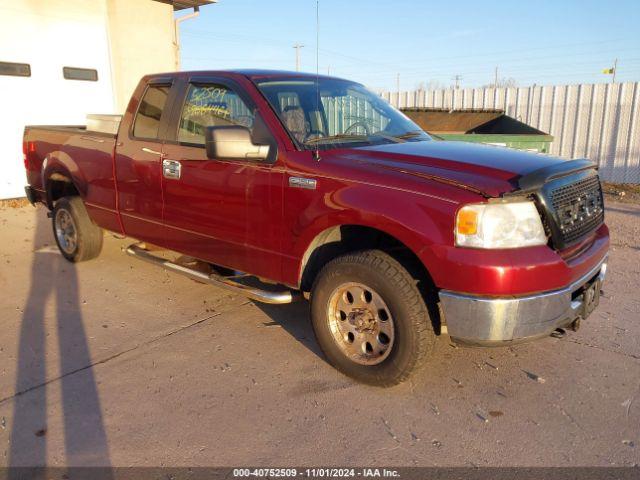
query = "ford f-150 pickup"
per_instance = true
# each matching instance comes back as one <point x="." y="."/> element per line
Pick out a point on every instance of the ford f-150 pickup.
<point x="285" y="185"/>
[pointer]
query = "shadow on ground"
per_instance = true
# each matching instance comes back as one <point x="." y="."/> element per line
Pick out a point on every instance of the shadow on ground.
<point x="55" y="279"/>
<point x="296" y="320"/>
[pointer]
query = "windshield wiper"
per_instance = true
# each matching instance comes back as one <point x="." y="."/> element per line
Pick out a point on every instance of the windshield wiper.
<point x="386" y="136"/>
<point x="333" y="138"/>
<point x="408" y="135"/>
<point x="354" y="137"/>
<point x="364" y="138"/>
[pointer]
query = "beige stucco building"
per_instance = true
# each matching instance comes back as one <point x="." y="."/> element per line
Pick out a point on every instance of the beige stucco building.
<point x="63" y="59"/>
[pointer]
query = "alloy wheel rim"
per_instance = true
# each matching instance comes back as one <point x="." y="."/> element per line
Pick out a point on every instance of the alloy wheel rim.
<point x="361" y="323"/>
<point x="66" y="231"/>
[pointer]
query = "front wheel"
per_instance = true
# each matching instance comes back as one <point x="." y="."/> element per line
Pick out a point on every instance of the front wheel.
<point x="370" y="319"/>
<point x="77" y="237"/>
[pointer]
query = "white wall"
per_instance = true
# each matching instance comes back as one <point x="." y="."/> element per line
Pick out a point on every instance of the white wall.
<point x="141" y="34"/>
<point x="106" y="35"/>
<point x="48" y="35"/>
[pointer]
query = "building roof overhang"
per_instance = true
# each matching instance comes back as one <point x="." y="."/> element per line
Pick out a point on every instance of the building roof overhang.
<point x="182" y="4"/>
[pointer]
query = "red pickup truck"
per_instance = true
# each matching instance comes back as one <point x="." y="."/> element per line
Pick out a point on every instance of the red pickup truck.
<point x="287" y="184"/>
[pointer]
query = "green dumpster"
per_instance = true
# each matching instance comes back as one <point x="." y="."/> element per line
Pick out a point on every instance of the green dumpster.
<point x="488" y="126"/>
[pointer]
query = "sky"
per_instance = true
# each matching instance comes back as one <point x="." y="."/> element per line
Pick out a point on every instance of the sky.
<point x="423" y="43"/>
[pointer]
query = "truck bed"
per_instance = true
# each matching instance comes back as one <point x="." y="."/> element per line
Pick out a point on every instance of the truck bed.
<point x="87" y="155"/>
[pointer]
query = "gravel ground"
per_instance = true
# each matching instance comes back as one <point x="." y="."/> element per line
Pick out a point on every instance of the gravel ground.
<point x="622" y="192"/>
<point x="114" y="362"/>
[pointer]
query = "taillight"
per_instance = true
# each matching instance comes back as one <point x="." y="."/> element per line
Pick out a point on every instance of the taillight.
<point x="27" y="149"/>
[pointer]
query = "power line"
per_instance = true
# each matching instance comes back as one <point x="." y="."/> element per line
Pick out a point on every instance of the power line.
<point x="517" y="67"/>
<point x="523" y="62"/>
<point x="520" y="66"/>
<point x="528" y="48"/>
<point x="227" y="37"/>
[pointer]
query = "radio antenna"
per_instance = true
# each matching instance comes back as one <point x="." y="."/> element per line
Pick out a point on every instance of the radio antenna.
<point x="316" y="153"/>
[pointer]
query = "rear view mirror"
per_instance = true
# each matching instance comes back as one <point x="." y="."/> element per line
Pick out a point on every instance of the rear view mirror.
<point x="234" y="142"/>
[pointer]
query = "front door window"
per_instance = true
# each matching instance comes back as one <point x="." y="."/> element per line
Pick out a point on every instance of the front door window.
<point x="211" y="106"/>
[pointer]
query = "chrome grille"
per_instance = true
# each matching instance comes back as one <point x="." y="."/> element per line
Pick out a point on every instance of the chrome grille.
<point x="577" y="209"/>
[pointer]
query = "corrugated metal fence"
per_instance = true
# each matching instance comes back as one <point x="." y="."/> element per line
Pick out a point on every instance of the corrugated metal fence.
<point x="596" y="121"/>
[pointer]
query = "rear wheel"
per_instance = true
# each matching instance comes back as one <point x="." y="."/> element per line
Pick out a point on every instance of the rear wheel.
<point x="370" y="319"/>
<point x="77" y="237"/>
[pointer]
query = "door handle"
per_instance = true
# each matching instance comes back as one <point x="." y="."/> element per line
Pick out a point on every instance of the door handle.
<point x="153" y="152"/>
<point x="171" y="169"/>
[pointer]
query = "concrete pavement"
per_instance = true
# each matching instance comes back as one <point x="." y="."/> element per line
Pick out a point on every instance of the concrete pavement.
<point x="115" y="362"/>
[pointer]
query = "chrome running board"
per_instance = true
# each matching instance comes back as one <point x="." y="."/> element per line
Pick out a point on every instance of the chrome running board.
<point x="228" y="283"/>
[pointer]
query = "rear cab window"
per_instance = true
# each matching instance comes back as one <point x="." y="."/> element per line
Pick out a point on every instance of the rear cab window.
<point x="147" y="122"/>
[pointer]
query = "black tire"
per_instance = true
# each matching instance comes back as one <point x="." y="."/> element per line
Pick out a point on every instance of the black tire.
<point x="413" y="335"/>
<point x="87" y="236"/>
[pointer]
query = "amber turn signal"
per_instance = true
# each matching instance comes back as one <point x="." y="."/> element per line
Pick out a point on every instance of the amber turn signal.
<point x="467" y="222"/>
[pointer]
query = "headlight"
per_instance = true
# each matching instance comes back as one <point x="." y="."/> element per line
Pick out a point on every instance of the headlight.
<point x="499" y="225"/>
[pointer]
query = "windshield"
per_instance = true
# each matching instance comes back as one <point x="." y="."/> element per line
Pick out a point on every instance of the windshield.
<point x="345" y="113"/>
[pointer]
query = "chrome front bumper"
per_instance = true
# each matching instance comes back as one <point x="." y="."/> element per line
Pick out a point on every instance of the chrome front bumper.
<point x="495" y="321"/>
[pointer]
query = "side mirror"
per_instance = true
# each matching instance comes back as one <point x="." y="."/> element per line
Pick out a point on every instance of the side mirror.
<point x="234" y="142"/>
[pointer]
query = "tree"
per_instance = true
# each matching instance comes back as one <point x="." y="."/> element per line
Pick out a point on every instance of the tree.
<point x="430" y="85"/>
<point x="503" y="82"/>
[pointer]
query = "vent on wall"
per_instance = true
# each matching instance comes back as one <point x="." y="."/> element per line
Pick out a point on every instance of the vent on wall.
<point x="86" y="74"/>
<point x="15" y="69"/>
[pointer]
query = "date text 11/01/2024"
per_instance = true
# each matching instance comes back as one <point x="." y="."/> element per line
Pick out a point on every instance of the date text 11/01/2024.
<point x="316" y="472"/>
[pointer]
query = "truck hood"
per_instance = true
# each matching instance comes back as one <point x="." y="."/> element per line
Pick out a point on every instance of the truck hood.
<point x="485" y="169"/>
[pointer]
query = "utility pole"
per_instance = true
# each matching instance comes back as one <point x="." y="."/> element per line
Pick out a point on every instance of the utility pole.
<point x="495" y="82"/>
<point x="615" y="69"/>
<point x="457" y="79"/>
<point x="298" y="46"/>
